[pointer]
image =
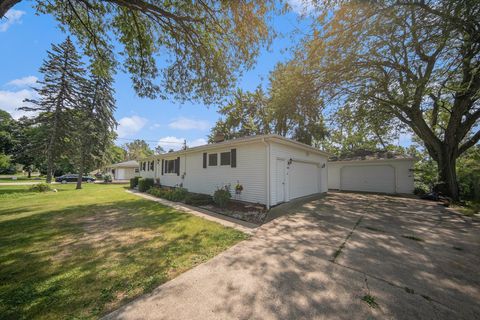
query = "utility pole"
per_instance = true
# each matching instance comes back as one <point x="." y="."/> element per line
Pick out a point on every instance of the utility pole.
<point x="185" y="144"/>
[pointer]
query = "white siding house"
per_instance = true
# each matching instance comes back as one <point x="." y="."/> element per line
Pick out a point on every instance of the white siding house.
<point x="271" y="168"/>
<point x="372" y="175"/>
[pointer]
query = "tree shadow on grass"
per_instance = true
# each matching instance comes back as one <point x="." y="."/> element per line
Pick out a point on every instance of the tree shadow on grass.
<point x="86" y="260"/>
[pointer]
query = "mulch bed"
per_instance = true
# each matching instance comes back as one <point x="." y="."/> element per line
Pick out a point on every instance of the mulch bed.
<point x="250" y="212"/>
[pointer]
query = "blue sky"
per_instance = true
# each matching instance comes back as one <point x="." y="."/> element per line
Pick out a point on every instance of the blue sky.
<point x="25" y="38"/>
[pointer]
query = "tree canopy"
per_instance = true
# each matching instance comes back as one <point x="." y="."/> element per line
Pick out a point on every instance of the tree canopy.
<point x="291" y="108"/>
<point x="192" y="49"/>
<point x="417" y="61"/>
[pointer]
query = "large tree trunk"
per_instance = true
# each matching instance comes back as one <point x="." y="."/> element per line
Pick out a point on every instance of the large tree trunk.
<point x="447" y="174"/>
<point x="49" y="169"/>
<point x="29" y="171"/>
<point x="81" y="169"/>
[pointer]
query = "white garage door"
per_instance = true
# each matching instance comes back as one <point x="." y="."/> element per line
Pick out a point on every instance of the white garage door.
<point x="303" y="179"/>
<point x="121" y="174"/>
<point x="376" y="178"/>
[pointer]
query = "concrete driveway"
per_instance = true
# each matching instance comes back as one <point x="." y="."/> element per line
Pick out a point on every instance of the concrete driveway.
<point x="345" y="256"/>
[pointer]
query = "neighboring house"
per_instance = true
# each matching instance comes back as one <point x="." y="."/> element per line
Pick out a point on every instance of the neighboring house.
<point x="272" y="169"/>
<point x="375" y="172"/>
<point x="123" y="170"/>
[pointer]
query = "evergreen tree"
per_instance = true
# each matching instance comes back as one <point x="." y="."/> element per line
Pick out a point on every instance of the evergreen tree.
<point x="94" y="133"/>
<point x="59" y="97"/>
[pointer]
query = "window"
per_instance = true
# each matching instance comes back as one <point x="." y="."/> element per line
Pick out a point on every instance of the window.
<point x="136" y="170"/>
<point x="170" y="166"/>
<point x="143" y="166"/>
<point x="152" y="165"/>
<point x="225" y="158"/>
<point x="212" y="159"/>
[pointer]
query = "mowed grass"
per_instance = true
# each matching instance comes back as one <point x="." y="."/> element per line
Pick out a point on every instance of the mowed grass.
<point x="83" y="253"/>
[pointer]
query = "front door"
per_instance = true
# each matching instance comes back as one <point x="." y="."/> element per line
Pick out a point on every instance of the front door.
<point x="280" y="169"/>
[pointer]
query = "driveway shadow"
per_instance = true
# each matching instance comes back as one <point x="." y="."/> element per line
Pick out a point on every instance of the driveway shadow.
<point x="326" y="259"/>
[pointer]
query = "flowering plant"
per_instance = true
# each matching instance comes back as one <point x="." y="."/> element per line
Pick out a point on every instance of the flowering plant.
<point x="238" y="188"/>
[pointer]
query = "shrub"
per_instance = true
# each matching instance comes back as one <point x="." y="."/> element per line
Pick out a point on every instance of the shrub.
<point x="107" y="178"/>
<point x="419" y="191"/>
<point x="41" y="187"/>
<point x="197" y="199"/>
<point x="178" y="194"/>
<point x="222" y="196"/>
<point x="144" y="184"/>
<point x="134" y="182"/>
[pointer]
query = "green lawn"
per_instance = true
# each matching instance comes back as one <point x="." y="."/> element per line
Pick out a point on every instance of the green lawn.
<point x="83" y="253"/>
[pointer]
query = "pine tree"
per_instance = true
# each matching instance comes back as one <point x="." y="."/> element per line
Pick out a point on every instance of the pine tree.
<point x="59" y="97"/>
<point x="94" y="133"/>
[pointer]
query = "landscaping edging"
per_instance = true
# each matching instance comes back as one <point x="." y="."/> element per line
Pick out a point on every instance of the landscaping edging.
<point x="240" y="225"/>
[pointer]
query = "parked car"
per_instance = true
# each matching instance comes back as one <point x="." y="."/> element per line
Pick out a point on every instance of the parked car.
<point x="73" y="178"/>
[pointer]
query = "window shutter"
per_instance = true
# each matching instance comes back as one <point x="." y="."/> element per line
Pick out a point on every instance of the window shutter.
<point x="204" y="160"/>
<point x="163" y="163"/>
<point x="177" y="166"/>
<point x="233" y="160"/>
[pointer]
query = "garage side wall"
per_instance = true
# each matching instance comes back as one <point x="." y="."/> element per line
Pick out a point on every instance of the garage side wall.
<point x="280" y="151"/>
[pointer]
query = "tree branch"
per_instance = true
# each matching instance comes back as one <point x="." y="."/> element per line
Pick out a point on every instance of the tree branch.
<point x="6" y="5"/>
<point x="469" y="143"/>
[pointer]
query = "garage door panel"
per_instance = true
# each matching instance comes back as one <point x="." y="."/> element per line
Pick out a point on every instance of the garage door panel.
<point x="375" y="178"/>
<point x="303" y="179"/>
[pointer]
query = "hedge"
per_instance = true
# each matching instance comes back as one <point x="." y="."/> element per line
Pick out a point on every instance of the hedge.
<point x="145" y="183"/>
<point x="134" y="182"/>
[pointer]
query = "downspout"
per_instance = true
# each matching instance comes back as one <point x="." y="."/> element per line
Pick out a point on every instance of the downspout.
<point x="267" y="149"/>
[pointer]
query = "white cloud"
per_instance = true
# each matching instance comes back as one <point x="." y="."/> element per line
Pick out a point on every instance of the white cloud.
<point x="128" y="126"/>
<point x="183" y="123"/>
<point x="302" y="7"/>
<point x="11" y="17"/>
<point x="10" y="101"/>
<point x="23" y="82"/>
<point x="176" y="143"/>
<point x="155" y="126"/>
<point x="197" y="142"/>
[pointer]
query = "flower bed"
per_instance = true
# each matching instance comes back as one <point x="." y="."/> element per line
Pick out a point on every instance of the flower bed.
<point x="250" y="212"/>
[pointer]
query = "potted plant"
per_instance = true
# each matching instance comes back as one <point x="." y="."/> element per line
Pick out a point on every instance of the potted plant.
<point x="238" y="188"/>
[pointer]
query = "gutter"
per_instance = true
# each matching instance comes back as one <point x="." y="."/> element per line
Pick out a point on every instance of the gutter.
<point x="267" y="148"/>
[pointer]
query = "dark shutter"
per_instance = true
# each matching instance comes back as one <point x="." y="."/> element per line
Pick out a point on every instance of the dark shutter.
<point x="233" y="160"/>
<point x="177" y="166"/>
<point x="204" y="160"/>
<point x="163" y="163"/>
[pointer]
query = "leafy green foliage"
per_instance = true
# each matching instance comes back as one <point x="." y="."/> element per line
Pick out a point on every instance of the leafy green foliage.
<point x="41" y="187"/>
<point x="198" y="199"/>
<point x="370" y="300"/>
<point x="355" y="127"/>
<point x="60" y="94"/>
<point x="5" y="164"/>
<point x="203" y="44"/>
<point x="95" y="124"/>
<point x="144" y="184"/>
<point x="415" y="61"/>
<point x="171" y="194"/>
<point x="222" y="196"/>
<point x="291" y="109"/>
<point x="134" y="182"/>
<point x="138" y="149"/>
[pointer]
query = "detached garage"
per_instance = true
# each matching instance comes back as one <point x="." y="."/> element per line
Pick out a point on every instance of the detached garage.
<point x="123" y="170"/>
<point x="379" y="172"/>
